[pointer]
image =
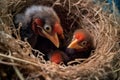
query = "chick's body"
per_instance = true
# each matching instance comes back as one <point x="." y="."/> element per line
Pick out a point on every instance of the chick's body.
<point x="41" y="27"/>
<point x="81" y="45"/>
<point x="39" y="21"/>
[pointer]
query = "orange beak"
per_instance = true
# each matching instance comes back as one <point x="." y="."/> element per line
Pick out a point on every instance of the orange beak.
<point x="53" y="38"/>
<point x="74" y="45"/>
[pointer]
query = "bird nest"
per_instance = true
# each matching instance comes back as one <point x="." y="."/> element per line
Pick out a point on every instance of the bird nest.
<point x="18" y="62"/>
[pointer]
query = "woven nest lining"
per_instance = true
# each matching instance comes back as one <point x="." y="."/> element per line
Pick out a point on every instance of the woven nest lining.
<point x="104" y="60"/>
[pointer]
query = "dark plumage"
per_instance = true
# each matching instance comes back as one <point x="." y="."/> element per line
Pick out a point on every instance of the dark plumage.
<point x="39" y="21"/>
<point x="81" y="45"/>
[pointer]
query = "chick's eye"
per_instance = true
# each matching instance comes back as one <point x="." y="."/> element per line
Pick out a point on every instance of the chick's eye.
<point x="47" y="28"/>
<point x="83" y="43"/>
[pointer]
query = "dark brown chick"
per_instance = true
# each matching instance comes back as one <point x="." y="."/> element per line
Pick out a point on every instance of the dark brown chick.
<point x="81" y="45"/>
<point x="40" y="21"/>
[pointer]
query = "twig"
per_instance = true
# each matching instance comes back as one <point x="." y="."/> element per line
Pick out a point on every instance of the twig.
<point x="97" y="12"/>
<point x="57" y="2"/>
<point x="69" y="11"/>
<point x="1" y="21"/>
<point x="16" y="69"/>
<point x="64" y="2"/>
<point x="21" y="60"/>
<point x="18" y="31"/>
<point x="18" y="73"/>
<point x="77" y="3"/>
<point x="8" y="63"/>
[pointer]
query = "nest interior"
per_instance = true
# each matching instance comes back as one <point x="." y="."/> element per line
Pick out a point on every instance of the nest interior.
<point x="17" y="61"/>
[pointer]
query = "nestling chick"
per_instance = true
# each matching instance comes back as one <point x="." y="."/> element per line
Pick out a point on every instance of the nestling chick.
<point x="40" y="21"/>
<point x="58" y="57"/>
<point x="81" y="45"/>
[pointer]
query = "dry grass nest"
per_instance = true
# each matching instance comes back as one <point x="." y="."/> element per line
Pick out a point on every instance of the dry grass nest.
<point x="17" y="61"/>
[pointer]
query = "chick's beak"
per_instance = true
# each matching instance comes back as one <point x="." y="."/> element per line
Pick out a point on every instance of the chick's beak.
<point x="74" y="45"/>
<point x="53" y="38"/>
